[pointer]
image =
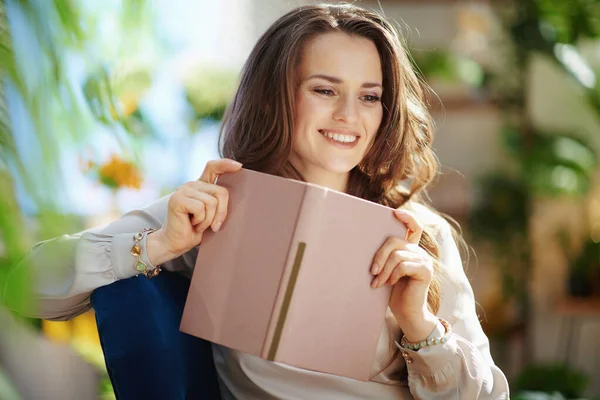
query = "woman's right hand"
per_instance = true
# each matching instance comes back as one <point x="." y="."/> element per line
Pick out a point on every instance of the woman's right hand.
<point x="193" y="208"/>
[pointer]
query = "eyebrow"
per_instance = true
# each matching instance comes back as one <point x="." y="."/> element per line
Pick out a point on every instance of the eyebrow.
<point x="333" y="79"/>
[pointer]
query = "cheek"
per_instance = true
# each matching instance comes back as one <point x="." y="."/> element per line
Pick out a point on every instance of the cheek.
<point x="304" y="105"/>
<point x="303" y="118"/>
<point x="374" y="121"/>
<point x="309" y="109"/>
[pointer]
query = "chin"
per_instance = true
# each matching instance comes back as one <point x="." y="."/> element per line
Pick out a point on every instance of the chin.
<point x="339" y="167"/>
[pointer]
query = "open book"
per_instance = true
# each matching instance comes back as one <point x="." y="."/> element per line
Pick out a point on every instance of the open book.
<point x="287" y="276"/>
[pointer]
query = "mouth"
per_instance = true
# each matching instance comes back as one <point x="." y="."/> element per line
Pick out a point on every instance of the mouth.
<point x="348" y="138"/>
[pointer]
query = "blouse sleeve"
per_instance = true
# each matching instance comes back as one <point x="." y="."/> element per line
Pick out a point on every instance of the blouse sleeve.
<point x="461" y="368"/>
<point x="65" y="270"/>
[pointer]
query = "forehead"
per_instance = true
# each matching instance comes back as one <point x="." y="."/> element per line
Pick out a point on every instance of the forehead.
<point x="349" y="57"/>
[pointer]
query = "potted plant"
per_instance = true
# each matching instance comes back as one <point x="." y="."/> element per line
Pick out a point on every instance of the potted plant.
<point x="552" y="378"/>
<point x="584" y="269"/>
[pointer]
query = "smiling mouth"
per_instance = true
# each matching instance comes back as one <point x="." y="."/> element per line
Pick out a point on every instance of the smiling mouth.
<point x="340" y="138"/>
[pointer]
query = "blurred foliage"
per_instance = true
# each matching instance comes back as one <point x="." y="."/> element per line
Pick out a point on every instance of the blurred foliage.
<point x="554" y="28"/>
<point x="504" y="209"/>
<point x="551" y="378"/>
<point x="56" y="26"/>
<point x="81" y="333"/>
<point x="116" y="173"/>
<point x="114" y="97"/>
<point x="117" y="75"/>
<point x="544" y="163"/>
<point x="549" y="164"/>
<point x="59" y="29"/>
<point x="552" y="163"/>
<point x="208" y="91"/>
<point x="584" y="266"/>
<point x="37" y="76"/>
<point x="105" y="390"/>
<point x="568" y="21"/>
<point x="529" y="395"/>
<point x="447" y="66"/>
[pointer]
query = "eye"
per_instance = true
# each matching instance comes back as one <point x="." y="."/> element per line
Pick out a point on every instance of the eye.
<point x="325" y="92"/>
<point x="371" y="98"/>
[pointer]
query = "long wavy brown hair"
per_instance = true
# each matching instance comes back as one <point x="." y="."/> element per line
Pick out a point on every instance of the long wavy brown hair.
<point x="258" y="124"/>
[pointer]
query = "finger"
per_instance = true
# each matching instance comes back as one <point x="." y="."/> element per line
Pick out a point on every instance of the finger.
<point x="391" y="244"/>
<point x="210" y="206"/>
<point x="190" y="206"/>
<point x="215" y="168"/>
<point x="395" y="258"/>
<point x="409" y="269"/>
<point x="413" y="226"/>
<point x="222" y="196"/>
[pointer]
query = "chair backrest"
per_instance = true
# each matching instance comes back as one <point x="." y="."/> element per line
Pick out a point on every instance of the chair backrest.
<point x="146" y="355"/>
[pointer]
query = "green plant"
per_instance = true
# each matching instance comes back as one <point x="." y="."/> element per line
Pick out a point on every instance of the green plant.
<point x="105" y="390"/>
<point x="544" y="163"/>
<point x="549" y="378"/>
<point x="208" y="91"/>
<point x="553" y="163"/>
<point x="538" y="396"/>
<point x="501" y="219"/>
<point x="584" y="267"/>
<point x="449" y="67"/>
<point x="54" y="31"/>
<point x="113" y="96"/>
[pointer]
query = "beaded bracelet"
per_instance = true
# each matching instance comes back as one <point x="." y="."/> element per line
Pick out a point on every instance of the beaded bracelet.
<point x="429" y="342"/>
<point x="136" y="251"/>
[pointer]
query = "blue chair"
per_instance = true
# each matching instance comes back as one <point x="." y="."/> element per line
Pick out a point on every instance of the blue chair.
<point x="146" y="355"/>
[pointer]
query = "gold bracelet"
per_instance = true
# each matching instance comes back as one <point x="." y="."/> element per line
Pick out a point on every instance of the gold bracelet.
<point x="136" y="251"/>
<point x="429" y="342"/>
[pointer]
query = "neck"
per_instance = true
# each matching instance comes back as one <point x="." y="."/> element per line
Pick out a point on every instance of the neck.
<point x="329" y="179"/>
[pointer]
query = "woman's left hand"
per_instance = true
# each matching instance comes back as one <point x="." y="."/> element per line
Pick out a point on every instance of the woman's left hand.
<point x="402" y="263"/>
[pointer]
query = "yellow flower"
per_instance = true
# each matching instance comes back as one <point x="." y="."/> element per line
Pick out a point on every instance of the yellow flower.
<point x="118" y="173"/>
<point x="126" y="103"/>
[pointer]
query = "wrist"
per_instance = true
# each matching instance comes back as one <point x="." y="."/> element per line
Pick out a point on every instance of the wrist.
<point x="418" y="327"/>
<point x="157" y="248"/>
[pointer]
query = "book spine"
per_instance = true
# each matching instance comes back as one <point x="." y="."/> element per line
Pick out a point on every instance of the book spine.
<point x="299" y="252"/>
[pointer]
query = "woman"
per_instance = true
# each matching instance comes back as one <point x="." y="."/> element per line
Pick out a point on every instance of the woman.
<point x="328" y="95"/>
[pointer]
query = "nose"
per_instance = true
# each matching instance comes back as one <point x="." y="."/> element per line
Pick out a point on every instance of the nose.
<point x="345" y="110"/>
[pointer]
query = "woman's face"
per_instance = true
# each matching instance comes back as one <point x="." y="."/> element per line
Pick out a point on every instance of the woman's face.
<point x="338" y="104"/>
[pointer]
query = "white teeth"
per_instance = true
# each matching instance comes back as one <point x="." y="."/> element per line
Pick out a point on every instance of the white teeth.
<point x="340" y="138"/>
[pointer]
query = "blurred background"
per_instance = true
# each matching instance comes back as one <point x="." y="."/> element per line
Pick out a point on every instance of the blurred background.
<point x="107" y="105"/>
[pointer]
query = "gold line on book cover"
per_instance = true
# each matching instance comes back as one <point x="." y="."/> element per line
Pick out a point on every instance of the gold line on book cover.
<point x="287" y="299"/>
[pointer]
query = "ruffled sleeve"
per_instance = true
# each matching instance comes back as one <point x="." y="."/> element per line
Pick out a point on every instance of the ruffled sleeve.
<point x="65" y="270"/>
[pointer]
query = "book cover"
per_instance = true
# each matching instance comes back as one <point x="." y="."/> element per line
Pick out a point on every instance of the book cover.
<point x="287" y="276"/>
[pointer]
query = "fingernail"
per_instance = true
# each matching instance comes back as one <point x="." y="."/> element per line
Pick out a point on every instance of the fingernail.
<point x="400" y="211"/>
<point x="236" y="164"/>
<point x="375" y="269"/>
<point x="217" y="226"/>
<point x="375" y="282"/>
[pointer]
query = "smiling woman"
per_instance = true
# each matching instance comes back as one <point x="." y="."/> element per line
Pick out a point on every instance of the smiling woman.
<point x="328" y="96"/>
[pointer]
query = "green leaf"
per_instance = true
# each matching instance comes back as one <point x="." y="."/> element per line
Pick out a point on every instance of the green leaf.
<point x="209" y="91"/>
<point x="550" y="378"/>
<point x="557" y="180"/>
<point x="502" y="208"/>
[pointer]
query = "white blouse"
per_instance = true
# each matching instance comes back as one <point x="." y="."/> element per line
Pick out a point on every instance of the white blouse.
<point x="68" y="268"/>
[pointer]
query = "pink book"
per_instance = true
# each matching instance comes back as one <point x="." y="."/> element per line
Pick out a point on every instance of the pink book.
<point x="287" y="276"/>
